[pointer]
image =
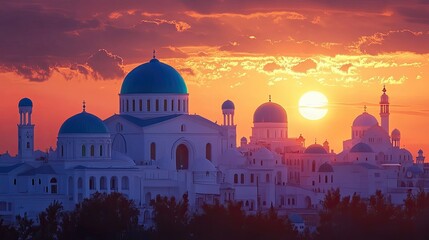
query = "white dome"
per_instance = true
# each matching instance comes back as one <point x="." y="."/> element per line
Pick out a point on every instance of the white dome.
<point x="263" y="153"/>
<point x="232" y="157"/>
<point x="365" y="120"/>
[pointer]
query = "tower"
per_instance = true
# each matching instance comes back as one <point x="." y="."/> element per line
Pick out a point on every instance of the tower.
<point x="420" y="160"/>
<point x="384" y="110"/>
<point x="25" y="130"/>
<point x="396" y="138"/>
<point x="228" y="123"/>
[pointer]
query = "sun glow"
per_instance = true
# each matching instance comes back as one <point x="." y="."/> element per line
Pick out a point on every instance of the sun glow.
<point x="313" y="105"/>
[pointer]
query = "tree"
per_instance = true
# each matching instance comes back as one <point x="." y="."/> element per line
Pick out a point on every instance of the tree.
<point x="7" y="232"/>
<point x="50" y="221"/>
<point x="171" y="218"/>
<point x="24" y="227"/>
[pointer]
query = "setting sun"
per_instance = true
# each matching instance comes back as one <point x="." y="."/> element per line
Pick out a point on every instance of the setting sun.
<point x="313" y="105"/>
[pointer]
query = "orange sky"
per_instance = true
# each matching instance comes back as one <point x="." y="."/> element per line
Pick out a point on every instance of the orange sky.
<point x="224" y="50"/>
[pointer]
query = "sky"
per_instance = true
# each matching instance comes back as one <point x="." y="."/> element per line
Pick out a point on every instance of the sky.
<point x="59" y="53"/>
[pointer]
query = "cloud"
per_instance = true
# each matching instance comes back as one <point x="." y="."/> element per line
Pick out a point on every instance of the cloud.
<point x="180" y="25"/>
<point x="345" y="68"/>
<point x="105" y="65"/>
<point x="187" y="71"/>
<point x="272" y="66"/>
<point x="305" y="66"/>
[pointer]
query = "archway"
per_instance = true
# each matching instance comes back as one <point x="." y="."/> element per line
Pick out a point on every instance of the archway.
<point x="119" y="144"/>
<point x="307" y="202"/>
<point x="182" y="157"/>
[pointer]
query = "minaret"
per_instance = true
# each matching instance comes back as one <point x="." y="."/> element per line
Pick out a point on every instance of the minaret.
<point x="228" y="123"/>
<point x="420" y="159"/>
<point x="384" y="110"/>
<point x="25" y="130"/>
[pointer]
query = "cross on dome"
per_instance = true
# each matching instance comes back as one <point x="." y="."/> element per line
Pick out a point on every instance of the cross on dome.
<point x="384" y="88"/>
<point x="269" y="98"/>
<point x="154" y="54"/>
<point x="364" y="108"/>
<point x="83" y="105"/>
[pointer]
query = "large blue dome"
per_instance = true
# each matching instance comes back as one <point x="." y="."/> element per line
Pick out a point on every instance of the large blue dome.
<point x="154" y="77"/>
<point x="83" y="123"/>
<point x="270" y="112"/>
<point x="25" y="102"/>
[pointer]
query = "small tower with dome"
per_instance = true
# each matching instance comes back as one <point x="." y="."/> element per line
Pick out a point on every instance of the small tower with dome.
<point x="25" y="130"/>
<point x="384" y="110"/>
<point x="396" y="138"/>
<point x="420" y="159"/>
<point x="228" y="109"/>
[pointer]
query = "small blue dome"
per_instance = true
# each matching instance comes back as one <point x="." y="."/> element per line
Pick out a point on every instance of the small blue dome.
<point x="270" y="112"/>
<point x="25" y="102"/>
<point x="154" y="77"/>
<point x="228" y="104"/>
<point x="361" y="148"/>
<point x="83" y="123"/>
<point x="315" y="149"/>
<point x="326" y="167"/>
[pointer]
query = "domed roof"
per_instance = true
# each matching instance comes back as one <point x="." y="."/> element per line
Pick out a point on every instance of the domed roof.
<point x="228" y="104"/>
<point x="83" y="123"/>
<point x="154" y="77"/>
<point x="396" y="133"/>
<point x="315" y="149"/>
<point x="270" y="112"/>
<point x="361" y="148"/>
<point x="365" y="120"/>
<point x="326" y="167"/>
<point x="243" y="139"/>
<point x="25" y="102"/>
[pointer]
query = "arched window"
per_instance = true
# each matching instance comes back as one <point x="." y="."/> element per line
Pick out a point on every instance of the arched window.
<point x="242" y="178"/>
<point x="157" y="105"/>
<point x="114" y="183"/>
<point x="28" y="144"/>
<point x="165" y="105"/>
<point x="134" y="105"/>
<point x="209" y="151"/>
<point x="326" y="179"/>
<point x="235" y="178"/>
<point x="172" y="105"/>
<point x="83" y="151"/>
<point x="267" y="178"/>
<point x="178" y="105"/>
<point x="152" y="151"/>
<point x="54" y="186"/>
<point x="182" y="128"/>
<point x="92" y="150"/>
<point x="62" y="151"/>
<point x="101" y="150"/>
<point x="148" y="105"/>
<point x="140" y="105"/>
<point x="313" y="166"/>
<point x="92" y="183"/>
<point x="182" y="157"/>
<point x="127" y="105"/>
<point x="103" y="183"/>
<point x="125" y="183"/>
<point x="252" y="178"/>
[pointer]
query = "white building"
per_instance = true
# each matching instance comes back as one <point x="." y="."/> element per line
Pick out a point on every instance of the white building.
<point x="154" y="146"/>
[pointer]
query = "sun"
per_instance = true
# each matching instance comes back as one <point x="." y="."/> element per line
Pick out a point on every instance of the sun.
<point x="313" y="105"/>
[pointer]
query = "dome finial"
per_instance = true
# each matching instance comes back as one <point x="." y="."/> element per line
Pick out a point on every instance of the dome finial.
<point x="154" y="54"/>
<point x="364" y="108"/>
<point x="384" y="88"/>
<point x="269" y="98"/>
<point x="83" y="105"/>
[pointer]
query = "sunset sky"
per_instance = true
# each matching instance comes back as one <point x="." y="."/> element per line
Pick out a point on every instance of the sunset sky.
<point x="59" y="53"/>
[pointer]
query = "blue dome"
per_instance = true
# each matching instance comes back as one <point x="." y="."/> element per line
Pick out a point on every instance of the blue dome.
<point x="270" y="112"/>
<point x="315" y="149"/>
<point x="154" y="77"/>
<point x="25" y="102"/>
<point x="228" y="104"/>
<point x="361" y="148"/>
<point x="83" y="123"/>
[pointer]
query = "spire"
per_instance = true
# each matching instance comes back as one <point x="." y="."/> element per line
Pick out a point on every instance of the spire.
<point x="364" y="108"/>
<point x="269" y="98"/>
<point x="83" y="106"/>
<point x="154" y="54"/>
<point x="384" y="88"/>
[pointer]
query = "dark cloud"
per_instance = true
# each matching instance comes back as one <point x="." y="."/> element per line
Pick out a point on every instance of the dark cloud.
<point x="345" y="68"/>
<point x="305" y="66"/>
<point x="187" y="71"/>
<point x="269" y="67"/>
<point x="415" y="15"/>
<point x="105" y="65"/>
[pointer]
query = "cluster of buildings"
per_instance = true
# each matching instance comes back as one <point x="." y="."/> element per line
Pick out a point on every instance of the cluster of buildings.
<point x="154" y="146"/>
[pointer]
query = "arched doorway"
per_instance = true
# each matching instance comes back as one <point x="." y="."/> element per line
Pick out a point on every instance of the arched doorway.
<point x="307" y="202"/>
<point x="119" y="144"/>
<point x="182" y="157"/>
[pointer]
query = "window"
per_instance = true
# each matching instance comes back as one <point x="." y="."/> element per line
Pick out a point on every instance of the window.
<point x="157" y="105"/>
<point x="182" y="157"/>
<point x="140" y="105"/>
<point x="152" y="151"/>
<point x="235" y="178"/>
<point x="267" y="178"/>
<point x="83" y="151"/>
<point x="92" y="183"/>
<point x="165" y="105"/>
<point x="148" y="105"/>
<point x="101" y="150"/>
<point x="134" y="105"/>
<point x="178" y="105"/>
<point x="182" y="128"/>
<point x="172" y="105"/>
<point x="32" y="181"/>
<point x="92" y="150"/>
<point x="252" y="178"/>
<point x="54" y="186"/>
<point x="208" y="151"/>
<point x="28" y="144"/>
<point x="103" y="183"/>
<point x="125" y="183"/>
<point x="114" y="183"/>
<point x="326" y="179"/>
<point x="127" y="105"/>
<point x="313" y="166"/>
<point x="242" y="178"/>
